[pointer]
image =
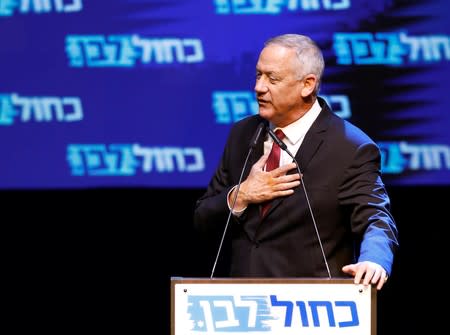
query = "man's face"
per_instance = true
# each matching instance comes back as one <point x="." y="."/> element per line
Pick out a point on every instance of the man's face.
<point x="278" y="87"/>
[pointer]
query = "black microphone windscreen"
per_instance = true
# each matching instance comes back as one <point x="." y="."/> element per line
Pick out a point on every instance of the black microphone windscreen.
<point x="257" y="134"/>
<point x="280" y="143"/>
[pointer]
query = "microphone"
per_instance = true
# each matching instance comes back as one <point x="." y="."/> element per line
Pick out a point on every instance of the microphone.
<point x="253" y="143"/>
<point x="256" y="136"/>
<point x="283" y="146"/>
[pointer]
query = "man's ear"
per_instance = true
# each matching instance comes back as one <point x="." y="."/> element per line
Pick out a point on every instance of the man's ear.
<point x="309" y="85"/>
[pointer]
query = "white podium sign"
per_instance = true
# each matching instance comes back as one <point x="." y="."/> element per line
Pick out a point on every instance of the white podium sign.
<point x="272" y="306"/>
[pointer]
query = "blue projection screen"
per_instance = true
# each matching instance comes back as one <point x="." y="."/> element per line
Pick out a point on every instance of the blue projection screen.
<point x="135" y="93"/>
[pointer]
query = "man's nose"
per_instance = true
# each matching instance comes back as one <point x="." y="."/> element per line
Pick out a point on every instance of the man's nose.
<point x="260" y="86"/>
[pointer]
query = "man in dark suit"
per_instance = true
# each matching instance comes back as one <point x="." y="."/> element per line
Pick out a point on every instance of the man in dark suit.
<point x="328" y="217"/>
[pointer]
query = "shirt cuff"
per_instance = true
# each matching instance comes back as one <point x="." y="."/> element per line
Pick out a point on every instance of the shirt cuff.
<point x="234" y="212"/>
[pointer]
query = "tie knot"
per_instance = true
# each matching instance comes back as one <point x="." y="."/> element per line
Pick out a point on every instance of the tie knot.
<point x="279" y="134"/>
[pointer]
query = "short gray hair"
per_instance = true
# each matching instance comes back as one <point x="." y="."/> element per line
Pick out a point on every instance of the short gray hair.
<point x="308" y="53"/>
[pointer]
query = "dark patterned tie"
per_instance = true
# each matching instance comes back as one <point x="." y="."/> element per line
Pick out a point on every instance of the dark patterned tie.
<point x="273" y="161"/>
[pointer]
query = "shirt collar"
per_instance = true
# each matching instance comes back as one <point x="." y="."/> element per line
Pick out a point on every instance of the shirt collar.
<point x="298" y="129"/>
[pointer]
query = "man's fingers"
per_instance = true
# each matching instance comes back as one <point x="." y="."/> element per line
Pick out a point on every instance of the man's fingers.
<point x="286" y="186"/>
<point x="282" y="170"/>
<point x="286" y="178"/>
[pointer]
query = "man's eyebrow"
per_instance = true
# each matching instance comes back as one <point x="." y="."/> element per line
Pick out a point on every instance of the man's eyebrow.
<point x="266" y="72"/>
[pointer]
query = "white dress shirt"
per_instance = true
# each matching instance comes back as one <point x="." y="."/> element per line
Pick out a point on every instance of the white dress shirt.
<point x="294" y="134"/>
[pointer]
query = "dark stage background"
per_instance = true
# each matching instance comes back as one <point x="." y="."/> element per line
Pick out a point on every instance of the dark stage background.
<point x="100" y="260"/>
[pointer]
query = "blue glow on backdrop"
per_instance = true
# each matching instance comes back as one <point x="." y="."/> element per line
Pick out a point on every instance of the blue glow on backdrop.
<point x="134" y="93"/>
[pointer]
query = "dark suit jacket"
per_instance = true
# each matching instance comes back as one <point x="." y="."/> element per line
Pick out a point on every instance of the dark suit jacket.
<point x="341" y="175"/>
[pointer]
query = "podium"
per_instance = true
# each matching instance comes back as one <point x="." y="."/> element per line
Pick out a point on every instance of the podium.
<point x="271" y="306"/>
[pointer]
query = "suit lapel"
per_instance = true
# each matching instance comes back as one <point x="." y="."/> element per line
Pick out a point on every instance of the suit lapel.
<point x="314" y="137"/>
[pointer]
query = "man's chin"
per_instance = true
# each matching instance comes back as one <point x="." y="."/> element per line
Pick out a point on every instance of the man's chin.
<point x="265" y="113"/>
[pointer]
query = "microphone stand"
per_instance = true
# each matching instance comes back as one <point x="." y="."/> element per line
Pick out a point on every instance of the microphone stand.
<point x="253" y="143"/>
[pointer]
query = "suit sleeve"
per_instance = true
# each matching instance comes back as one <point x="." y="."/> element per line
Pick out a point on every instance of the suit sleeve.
<point x="364" y="193"/>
